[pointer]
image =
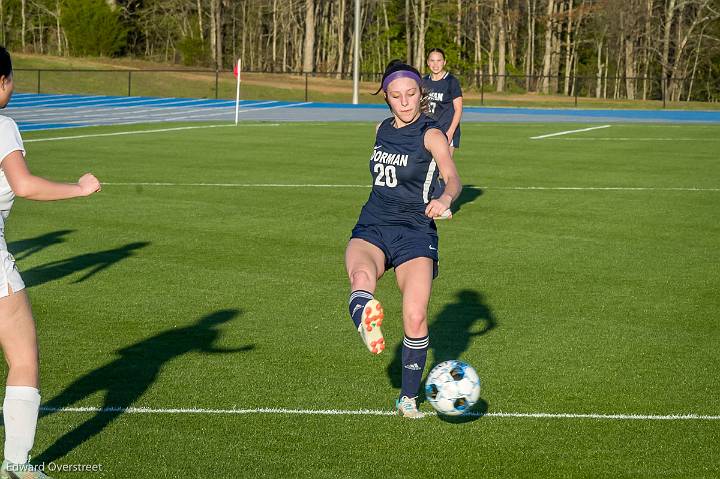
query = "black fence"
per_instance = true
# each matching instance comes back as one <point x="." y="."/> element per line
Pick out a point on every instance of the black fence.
<point x="478" y="87"/>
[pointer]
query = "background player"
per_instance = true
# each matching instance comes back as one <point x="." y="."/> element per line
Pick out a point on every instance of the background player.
<point x="396" y="227"/>
<point x="446" y="101"/>
<point x="17" y="327"/>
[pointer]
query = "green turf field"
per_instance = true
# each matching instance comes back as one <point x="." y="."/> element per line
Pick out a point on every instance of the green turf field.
<point x="229" y="297"/>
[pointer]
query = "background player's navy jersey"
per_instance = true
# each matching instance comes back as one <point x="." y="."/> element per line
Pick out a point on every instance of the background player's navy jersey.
<point x="442" y="93"/>
<point x="404" y="174"/>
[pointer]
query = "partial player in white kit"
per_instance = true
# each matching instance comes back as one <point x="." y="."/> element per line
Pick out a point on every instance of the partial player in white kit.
<point x="17" y="327"/>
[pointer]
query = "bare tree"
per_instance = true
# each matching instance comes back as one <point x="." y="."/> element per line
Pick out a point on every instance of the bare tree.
<point x="216" y="33"/>
<point x="421" y="30"/>
<point x="499" y="14"/>
<point x="547" y="57"/>
<point x="24" y="22"/>
<point x="309" y="44"/>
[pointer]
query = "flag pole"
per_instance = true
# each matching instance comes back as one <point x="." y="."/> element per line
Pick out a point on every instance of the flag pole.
<point x="237" y="93"/>
<point x="356" y="54"/>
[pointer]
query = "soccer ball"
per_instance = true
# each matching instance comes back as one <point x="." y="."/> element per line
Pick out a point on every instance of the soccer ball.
<point x="452" y="387"/>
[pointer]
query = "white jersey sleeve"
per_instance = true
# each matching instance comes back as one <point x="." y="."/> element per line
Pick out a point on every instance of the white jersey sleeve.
<point x="10" y="139"/>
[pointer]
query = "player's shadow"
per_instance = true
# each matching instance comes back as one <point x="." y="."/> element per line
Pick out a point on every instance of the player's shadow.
<point x="92" y="262"/>
<point x="451" y="334"/>
<point x="468" y="317"/>
<point x="468" y="194"/>
<point x="21" y="249"/>
<point x="126" y="379"/>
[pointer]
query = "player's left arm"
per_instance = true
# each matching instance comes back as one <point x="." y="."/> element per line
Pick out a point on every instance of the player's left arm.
<point x="457" y="116"/>
<point x="437" y="144"/>
<point x="456" y="93"/>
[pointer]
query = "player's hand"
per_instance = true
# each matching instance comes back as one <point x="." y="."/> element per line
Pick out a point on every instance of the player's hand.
<point x="450" y="135"/>
<point x="88" y="184"/>
<point x="437" y="208"/>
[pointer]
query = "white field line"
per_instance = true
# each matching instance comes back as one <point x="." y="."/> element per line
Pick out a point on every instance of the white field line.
<point x="597" y="188"/>
<point x="97" y="115"/>
<point x="168" y="119"/>
<point x="568" y="132"/>
<point x="239" y="185"/>
<point x="309" y="185"/>
<point x="135" y="122"/>
<point x="122" y="115"/>
<point x="139" y="132"/>
<point x="378" y="412"/>
<point x="635" y="139"/>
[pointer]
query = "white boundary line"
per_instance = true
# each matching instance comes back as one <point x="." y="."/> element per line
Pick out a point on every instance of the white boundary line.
<point x="568" y="132"/>
<point x="377" y="412"/>
<point x="308" y="185"/>
<point x="138" y="132"/>
<point x="240" y="185"/>
<point x="597" y="188"/>
<point x="635" y="139"/>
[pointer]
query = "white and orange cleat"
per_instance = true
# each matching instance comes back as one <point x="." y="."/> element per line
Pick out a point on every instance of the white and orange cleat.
<point x="370" y="332"/>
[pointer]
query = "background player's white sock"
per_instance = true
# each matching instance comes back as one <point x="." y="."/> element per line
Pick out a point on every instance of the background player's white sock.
<point x="20" y="411"/>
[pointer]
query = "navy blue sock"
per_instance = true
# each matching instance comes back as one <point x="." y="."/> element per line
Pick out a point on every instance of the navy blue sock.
<point x="358" y="299"/>
<point x="414" y="354"/>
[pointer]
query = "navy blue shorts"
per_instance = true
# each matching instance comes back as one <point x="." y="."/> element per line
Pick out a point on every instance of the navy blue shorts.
<point x="400" y="243"/>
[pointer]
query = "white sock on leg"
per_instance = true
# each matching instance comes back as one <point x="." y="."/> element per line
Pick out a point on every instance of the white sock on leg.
<point x="20" y="411"/>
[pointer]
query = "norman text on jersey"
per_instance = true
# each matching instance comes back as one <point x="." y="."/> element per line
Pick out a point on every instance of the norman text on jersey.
<point x="386" y="158"/>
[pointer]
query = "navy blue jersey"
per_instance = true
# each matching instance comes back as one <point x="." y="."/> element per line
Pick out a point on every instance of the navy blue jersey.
<point x="442" y="93"/>
<point x="404" y="175"/>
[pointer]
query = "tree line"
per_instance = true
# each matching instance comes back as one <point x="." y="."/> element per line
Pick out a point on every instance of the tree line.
<point x="606" y="48"/>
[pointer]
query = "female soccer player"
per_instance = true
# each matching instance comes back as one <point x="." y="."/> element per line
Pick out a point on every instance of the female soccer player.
<point x="17" y="327"/>
<point x="396" y="227"/>
<point x="446" y="101"/>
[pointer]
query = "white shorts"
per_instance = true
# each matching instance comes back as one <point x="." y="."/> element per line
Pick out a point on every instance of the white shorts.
<point x="9" y="274"/>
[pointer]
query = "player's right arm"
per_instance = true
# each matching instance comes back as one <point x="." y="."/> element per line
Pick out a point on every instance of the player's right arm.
<point x="27" y="185"/>
<point x="436" y="143"/>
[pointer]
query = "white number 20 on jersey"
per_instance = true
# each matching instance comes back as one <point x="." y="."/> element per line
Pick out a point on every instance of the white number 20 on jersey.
<point x="385" y="175"/>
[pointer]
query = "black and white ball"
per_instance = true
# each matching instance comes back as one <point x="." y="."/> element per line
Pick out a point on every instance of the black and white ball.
<point x="452" y="387"/>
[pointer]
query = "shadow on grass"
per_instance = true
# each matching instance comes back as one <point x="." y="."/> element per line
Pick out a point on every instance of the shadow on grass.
<point x="21" y="249"/>
<point x="452" y="331"/>
<point x="126" y="379"/>
<point x="467" y="317"/>
<point x="476" y="412"/>
<point x="451" y="334"/>
<point x="468" y="194"/>
<point x="94" y="262"/>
